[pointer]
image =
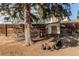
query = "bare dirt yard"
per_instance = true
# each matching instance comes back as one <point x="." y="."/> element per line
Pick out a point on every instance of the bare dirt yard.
<point x="10" y="46"/>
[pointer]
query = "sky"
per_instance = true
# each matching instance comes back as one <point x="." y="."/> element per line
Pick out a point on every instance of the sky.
<point x="74" y="10"/>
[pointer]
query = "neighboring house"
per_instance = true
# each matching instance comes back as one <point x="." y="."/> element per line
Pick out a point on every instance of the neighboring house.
<point x="53" y="26"/>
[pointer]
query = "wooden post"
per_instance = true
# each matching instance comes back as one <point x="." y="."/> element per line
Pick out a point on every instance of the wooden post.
<point x="23" y="27"/>
<point x="6" y="29"/>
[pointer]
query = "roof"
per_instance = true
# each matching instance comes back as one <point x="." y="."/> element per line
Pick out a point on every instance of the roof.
<point x="74" y="21"/>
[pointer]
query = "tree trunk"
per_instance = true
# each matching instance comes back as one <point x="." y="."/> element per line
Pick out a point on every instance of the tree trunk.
<point x="28" y="40"/>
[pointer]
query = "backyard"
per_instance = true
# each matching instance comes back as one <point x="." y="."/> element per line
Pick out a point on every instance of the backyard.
<point x="11" y="46"/>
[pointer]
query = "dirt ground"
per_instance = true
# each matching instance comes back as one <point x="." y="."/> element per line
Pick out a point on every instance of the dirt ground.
<point x="10" y="46"/>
